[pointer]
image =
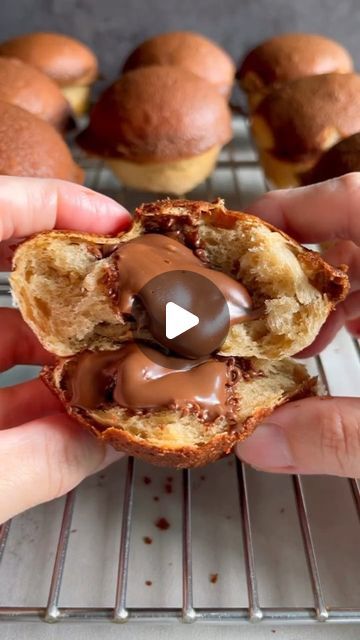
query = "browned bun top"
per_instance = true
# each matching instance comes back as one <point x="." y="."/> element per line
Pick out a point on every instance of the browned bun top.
<point x="64" y="59"/>
<point x="290" y="56"/>
<point x="191" y="51"/>
<point x="157" y="113"/>
<point x="311" y="114"/>
<point x="26" y="87"/>
<point x="32" y="147"/>
<point x="343" y="158"/>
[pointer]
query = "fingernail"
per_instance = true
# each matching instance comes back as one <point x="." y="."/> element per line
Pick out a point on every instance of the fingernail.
<point x="266" y="448"/>
<point x="111" y="455"/>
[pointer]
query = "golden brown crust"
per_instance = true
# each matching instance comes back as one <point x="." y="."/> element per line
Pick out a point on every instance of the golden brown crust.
<point x="28" y="88"/>
<point x="290" y="56"/>
<point x="64" y="59"/>
<point x="179" y="457"/>
<point x="32" y="147"/>
<point x="282" y="380"/>
<point x="156" y="114"/>
<point x="343" y="158"/>
<point x="156" y="216"/>
<point x="191" y="51"/>
<point x="310" y="114"/>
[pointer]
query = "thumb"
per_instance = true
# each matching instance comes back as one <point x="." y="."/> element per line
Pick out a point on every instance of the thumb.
<point x="315" y="435"/>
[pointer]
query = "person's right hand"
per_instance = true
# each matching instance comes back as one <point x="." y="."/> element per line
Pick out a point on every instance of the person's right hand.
<point x="316" y="435"/>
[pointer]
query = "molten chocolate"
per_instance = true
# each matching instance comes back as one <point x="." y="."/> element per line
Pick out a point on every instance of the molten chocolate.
<point x="157" y="269"/>
<point x="131" y="378"/>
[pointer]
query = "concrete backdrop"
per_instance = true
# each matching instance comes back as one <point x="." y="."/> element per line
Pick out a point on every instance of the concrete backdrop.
<point x="113" y="27"/>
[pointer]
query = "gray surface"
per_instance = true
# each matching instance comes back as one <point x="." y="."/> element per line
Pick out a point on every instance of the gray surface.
<point x="112" y="27"/>
<point x="180" y="632"/>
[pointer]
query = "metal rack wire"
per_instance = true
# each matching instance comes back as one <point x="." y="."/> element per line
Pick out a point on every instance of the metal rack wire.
<point x="237" y="159"/>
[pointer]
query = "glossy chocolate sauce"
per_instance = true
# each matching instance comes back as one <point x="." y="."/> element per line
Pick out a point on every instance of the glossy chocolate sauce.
<point x="131" y="378"/>
<point x="144" y="275"/>
<point x="157" y="269"/>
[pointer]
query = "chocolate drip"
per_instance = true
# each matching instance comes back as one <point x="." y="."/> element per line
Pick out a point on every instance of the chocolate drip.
<point x="131" y="378"/>
<point x="177" y="271"/>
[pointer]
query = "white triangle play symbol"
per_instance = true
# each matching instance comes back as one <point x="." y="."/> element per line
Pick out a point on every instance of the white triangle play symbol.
<point x="178" y="320"/>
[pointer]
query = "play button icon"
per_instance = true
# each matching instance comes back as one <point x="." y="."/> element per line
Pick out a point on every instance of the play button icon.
<point x="183" y="312"/>
<point x="178" y="320"/>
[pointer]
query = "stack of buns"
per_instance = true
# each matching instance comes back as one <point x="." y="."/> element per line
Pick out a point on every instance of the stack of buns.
<point x="68" y="62"/>
<point x="44" y="79"/>
<point x="161" y="125"/>
<point x="303" y="98"/>
<point x="160" y="128"/>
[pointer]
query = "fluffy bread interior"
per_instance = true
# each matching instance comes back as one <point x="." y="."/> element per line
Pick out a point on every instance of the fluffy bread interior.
<point x="63" y="281"/>
<point x="66" y="284"/>
<point x="166" y="437"/>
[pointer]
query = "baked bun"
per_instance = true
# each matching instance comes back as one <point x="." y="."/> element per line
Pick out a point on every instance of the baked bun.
<point x="191" y="51"/>
<point x="69" y="62"/>
<point x="295" y="124"/>
<point x="32" y="147"/>
<point x="28" y="88"/>
<point x="288" y="57"/>
<point x="67" y="287"/>
<point x="343" y="158"/>
<point x="160" y="129"/>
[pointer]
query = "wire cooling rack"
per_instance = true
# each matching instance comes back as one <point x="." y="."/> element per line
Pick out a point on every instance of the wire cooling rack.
<point x="222" y="544"/>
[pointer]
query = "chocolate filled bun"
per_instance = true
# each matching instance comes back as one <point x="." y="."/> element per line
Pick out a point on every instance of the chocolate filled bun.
<point x="32" y="147"/>
<point x="343" y="158"/>
<point x="69" y="62"/>
<point x="191" y="51"/>
<point x="28" y="88"/>
<point x="288" y="57"/>
<point x="296" y="124"/>
<point x="172" y="406"/>
<point x="160" y="129"/>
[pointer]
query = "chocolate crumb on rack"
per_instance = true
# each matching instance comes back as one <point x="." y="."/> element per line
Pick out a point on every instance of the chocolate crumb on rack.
<point x="162" y="524"/>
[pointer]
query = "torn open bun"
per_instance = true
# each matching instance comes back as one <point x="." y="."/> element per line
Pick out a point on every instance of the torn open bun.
<point x="67" y="287"/>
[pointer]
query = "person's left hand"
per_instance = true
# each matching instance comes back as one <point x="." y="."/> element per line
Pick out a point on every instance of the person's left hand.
<point x="43" y="454"/>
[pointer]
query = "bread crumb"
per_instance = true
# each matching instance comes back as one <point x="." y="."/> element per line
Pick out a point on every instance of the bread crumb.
<point x="146" y="480"/>
<point x="156" y="498"/>
<point x="213" y="578"/>
<point x="162" y="524"/>
<point x="202" y="477"/>
<point x="148" y="583"/>
<point x="147" y="540"/>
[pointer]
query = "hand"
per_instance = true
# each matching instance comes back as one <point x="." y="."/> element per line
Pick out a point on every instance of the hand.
<point x="316" y="435"/>
<point x="43" y="454"/>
